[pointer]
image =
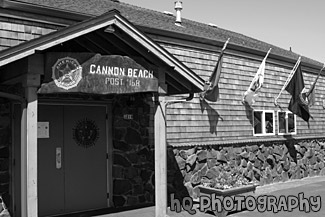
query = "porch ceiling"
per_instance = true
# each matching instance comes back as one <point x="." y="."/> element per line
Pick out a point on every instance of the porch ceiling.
<point x="108" y="34"/>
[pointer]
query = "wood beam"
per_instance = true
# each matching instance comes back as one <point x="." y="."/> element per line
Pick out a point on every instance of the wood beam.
<point x="31" y="81"/>
<point x="29" y="202"/>
<point x="174" y="84"/>
<point x="11" y="96"/>
<point x="119" y="46"/>
<point x="13" y="80"/>
<point x="181" y="80"/>
<point x="98" y="42"/>
<point x="142" y="51"/>
<point x="35" y="64"/>
<point x="26" y="80"/>
<point x="86" y="45"/>
<point x="17" y="71"/>
<point x="132" y="43"/>
<point x="160" y="148"/>
<point x="11" y="72"/>
<point x="160" y="159"/>
<point x="162" y="87"/>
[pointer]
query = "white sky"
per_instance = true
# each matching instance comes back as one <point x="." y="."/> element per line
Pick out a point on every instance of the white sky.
<point x="298" y="24"/>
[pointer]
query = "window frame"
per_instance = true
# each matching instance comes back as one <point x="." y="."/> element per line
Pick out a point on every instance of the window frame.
<point x="287" y="123"/>
<point x="263" y="122"/>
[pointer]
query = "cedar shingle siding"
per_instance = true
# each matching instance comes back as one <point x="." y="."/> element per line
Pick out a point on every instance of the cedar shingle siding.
<point x="14" y="31"/>
<point x="199" y="123"/>
<point x="153" y="20"/>
<point x="228" y="120"/>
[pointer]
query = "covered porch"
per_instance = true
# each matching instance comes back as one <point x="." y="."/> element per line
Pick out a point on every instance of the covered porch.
<point x="24" y="68"/>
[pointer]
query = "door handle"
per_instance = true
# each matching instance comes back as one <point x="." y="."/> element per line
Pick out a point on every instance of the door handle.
<point x="58" y="158"/>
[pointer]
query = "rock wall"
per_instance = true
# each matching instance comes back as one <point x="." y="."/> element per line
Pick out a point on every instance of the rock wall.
<point x="5" y="140"/>
<point x="133" y="155"/>
<point x="260" y="163"/>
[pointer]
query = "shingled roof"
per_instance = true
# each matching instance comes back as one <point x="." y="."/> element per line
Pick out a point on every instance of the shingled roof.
<point x="147" y="18"/>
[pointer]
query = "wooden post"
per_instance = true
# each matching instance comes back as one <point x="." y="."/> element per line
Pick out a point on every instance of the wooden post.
<point x="31" y="81"/>
<point x="160" y="160"/>
<point x="29" y="154"/>
<point x="160" y="147"/>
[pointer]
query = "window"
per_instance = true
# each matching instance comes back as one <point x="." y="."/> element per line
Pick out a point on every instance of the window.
<point x="263" y="122"/>
<point x="286" y="123"/>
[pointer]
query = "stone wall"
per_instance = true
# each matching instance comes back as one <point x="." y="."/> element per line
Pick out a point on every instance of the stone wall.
<point x="259" y="163"/>
<point x="188" y="167"/>
<point x="5" y="140"/>
<point x="133" y="155"/>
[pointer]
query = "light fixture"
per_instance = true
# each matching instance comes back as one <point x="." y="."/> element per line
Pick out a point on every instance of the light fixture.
<point x="110" y="29"/>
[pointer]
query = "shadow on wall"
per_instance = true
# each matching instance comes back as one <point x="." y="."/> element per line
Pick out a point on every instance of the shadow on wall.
<point x="213" y="116"/>
<point x="290" y="144"/>
<point x="175" y="183"/>
<point x="249" y="113"/>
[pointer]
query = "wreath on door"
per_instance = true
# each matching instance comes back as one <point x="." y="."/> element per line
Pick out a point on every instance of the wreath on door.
<point x="86" y="133"/>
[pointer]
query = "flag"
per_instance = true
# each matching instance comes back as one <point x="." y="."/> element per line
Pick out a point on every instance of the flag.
<point x="256" y="84"/>
<point x="211" y="89"/>
<point x="288" y="80"/>
<point x="296" y="87"/>
<point x="311" y="93"/>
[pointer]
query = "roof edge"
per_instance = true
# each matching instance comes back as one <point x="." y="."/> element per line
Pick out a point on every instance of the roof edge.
<point x="42" y="10"/>
<point x="112" y="17"/>
<point x="77" y="17"/>
<point x="160" y="32"/>
<point x="38" y="44"/>
<point x="168" y="58"/>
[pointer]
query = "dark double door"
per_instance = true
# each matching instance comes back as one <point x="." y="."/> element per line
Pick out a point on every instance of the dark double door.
<point x="72" y="162"/>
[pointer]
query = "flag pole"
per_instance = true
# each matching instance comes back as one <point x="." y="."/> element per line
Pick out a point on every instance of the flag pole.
<point x="208" y="86"/>
<point x="225" y="45"/>
<point x="256" y="83"/>
<point x="288" y="80"/>
<point x="215" y="68"/>
<point x="267" y="54"/>
<point x="264" y="59"/>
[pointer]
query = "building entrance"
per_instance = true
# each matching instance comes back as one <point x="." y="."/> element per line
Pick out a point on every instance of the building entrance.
<point x="72" y="159"/>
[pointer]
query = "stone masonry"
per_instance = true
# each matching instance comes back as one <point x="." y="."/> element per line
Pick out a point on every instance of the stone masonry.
<point x="259" y="163"/>
<point x="133" y="156"/>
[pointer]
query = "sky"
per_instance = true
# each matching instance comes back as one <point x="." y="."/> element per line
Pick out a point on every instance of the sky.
<point x="295" y="24"/>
